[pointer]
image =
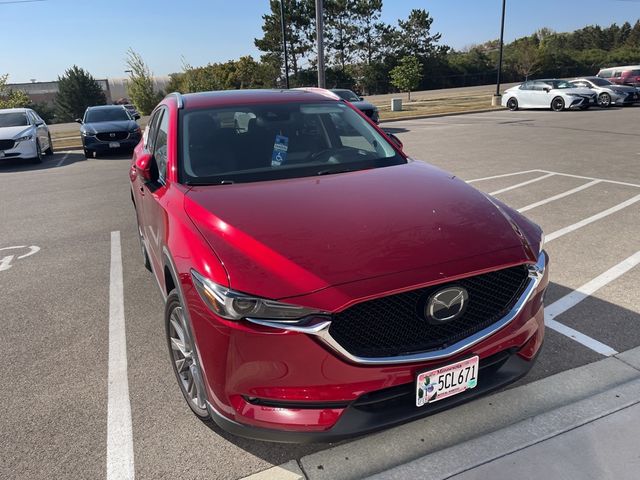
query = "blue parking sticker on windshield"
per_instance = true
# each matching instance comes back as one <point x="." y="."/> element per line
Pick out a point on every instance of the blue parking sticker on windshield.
<point x="280" y="148"/>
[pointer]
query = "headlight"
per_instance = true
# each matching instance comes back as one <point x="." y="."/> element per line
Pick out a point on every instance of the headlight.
<point x="24" y="139"/>
<point x="235" y="306"/>
<point x="543" y="240"/>
<point x="88" y="134"/>
<point x="136" y="131"/>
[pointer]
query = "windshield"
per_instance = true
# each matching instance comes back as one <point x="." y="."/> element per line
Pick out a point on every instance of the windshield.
<point x="96" y="115"/>
<point x="560" y="84"/>
<point x="252" y="143"/>
<point x="600" y="82"/>
<point x="13" y="119"/>
<point x="347" y="95"/>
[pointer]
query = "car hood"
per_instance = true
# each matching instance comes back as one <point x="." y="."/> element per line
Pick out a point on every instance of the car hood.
<point x="286" y="238"/>
<point x="100" y="127"/>
<point x="622" y="88"/>
<point x="9" y="133"/>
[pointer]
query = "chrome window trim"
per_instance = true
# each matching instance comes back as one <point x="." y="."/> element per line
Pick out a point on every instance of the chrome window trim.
<point x="320" y="328"/>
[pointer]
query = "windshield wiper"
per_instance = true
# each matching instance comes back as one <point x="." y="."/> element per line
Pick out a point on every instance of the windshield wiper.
<point x="337" y="170"/>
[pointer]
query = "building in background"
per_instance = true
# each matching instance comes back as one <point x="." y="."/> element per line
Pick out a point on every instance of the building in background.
<point x="45" y="92"/>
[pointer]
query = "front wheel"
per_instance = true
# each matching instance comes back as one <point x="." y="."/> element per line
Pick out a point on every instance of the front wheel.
<point x="557" y="104"/>
<point x="184" y="356"/>
<point x="512" y="104"/>
<point x="604" y="100"/>
<point x="49" y="151"/>
<point x="38" y="157"/>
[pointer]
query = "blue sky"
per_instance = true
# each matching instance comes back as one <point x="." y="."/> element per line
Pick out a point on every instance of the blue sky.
<point x="41" y="39"/>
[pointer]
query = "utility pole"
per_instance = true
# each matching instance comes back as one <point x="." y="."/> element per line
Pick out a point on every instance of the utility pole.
<point x="284" y="45"/>
<point x="320" y="42"/>
<point x="497" y="97"/>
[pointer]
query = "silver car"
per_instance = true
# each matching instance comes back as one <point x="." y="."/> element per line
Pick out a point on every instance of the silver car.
<point x="555" y="94"/>
<point x="608" y="93"/>
<point x="23" y="134"/>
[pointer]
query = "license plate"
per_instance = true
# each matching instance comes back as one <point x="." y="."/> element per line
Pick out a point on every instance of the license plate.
<point x="446" y="381"/>
<point x="114" y="145"/>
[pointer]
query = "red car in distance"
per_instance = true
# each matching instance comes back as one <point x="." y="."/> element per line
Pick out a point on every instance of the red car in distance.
<point x="320" y="284"/>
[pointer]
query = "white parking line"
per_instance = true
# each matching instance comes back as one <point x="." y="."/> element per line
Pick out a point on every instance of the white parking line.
<point x="119" y="431"/>
<point x="63" y="159"/>
<point x="577" y="296"/>
<point x="504" y="175"/>
<point x="591" y="219"/>
<point x="518" y="185"/>
<point x="559" y="196"/>
<point x="593" y="178"/>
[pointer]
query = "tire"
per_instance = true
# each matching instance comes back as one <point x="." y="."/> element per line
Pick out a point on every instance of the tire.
<point x="49" y="151"/>
<point x="604" y="100"/>
<point x="557" y="104"/>
<point x="38" y="157"/>
<point x="512" y="104"/>
<point x="184" y="357"/>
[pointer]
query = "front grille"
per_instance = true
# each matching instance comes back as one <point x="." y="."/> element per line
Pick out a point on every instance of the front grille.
<point x="112" y="136"/>
<point x="396" y="325"/>
<point x="6" y="144"/>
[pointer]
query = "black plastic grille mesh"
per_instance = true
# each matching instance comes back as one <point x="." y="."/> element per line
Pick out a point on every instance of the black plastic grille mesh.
<point x="6" y="144"/>
<point x="107" y="137"/>
<point x="396" y="325"/>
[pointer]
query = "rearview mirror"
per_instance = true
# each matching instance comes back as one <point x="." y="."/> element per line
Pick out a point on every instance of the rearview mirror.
<point x="143" y="166"/>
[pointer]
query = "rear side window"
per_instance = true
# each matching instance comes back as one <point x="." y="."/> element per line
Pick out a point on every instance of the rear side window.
<point x="634" y="73"/>
<point x="605" y="73"/>
<point x="617" y="74"/>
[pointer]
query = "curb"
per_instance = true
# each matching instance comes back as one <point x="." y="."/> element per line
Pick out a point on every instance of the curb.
<point x="446" y="114"/>
<point x="529" y="413"/>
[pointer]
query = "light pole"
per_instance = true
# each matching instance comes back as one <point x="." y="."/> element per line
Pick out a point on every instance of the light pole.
<point x="320" y="42"/>
<point x="497" y="97"/>
<point x="284" y="45"/>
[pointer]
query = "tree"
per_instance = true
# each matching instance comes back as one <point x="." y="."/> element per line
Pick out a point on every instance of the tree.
<point x="341" y="32"/>
<point x="407" y="75"/>
<point x="524" y="56"/>
<point x="11" y="98"/>
<point x="414" y="37"/>
<point x="141" y="86"/>
<point x="77" y="90"/>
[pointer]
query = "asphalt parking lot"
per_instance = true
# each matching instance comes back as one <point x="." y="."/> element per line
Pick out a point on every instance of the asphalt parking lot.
<point x="574" y="173"/>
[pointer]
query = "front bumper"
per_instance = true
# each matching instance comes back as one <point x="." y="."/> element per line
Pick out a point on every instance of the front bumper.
<point x="290" y="386"/>
<point x="23" y="150"/>
<point x="96" y="145"/>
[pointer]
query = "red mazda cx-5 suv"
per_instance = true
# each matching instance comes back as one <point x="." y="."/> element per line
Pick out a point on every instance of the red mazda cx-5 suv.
<point x="319" y="283"/>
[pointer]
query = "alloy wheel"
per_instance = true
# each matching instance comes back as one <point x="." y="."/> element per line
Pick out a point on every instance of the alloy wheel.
<point x="185" y="362"/>
<point x="557" y="105"/>
<point x="604" y="100"/>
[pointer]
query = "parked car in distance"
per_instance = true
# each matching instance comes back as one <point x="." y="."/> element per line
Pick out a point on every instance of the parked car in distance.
<point x="555" y="94"/>
<point x="24" y="135"/>
<point x="108" y="128"/>
<point x="318" y="283"/>
<point x="369" y="109"/>
<point x="608" y="93"/>
<point x="627" y="75"/>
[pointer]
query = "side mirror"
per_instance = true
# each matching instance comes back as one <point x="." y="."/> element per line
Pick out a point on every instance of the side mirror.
<point x="547" y="89"/>
<point x="136" y="116"/>
<point x="142" y="167"/>
<point x="78" y="120"/>
<point x="39" y="124"/>
<point x="395" y="140"/>
<point x="361" y="98"/>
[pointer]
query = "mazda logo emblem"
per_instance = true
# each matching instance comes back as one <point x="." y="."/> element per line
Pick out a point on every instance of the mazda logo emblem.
<point x="447" y="304"/>
<point x="112" y="135"/>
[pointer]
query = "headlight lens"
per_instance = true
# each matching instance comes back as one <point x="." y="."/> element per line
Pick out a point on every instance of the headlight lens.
<point x="136" y="131"/>
<point x="235" y="306"/>
<point x="543" y="240"/>
<point x="24" y="138"/>
<point x="88" y="134"/>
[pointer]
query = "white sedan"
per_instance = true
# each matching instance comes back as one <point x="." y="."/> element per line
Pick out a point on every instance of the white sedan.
<point x="557" y="95"/>
<point x="23" y="134"/>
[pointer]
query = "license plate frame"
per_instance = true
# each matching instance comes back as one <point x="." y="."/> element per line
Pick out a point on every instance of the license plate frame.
<point x="456" y="377"/>
<point x="114" y="144"/>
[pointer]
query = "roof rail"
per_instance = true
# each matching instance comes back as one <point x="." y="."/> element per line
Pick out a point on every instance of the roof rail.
<point x="178" y="96"/>
<point x="321" y="91"/>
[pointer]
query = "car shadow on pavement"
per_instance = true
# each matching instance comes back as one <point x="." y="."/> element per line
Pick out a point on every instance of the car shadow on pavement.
<point x="606" y="322"/>
<point x="54" y="161"/>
